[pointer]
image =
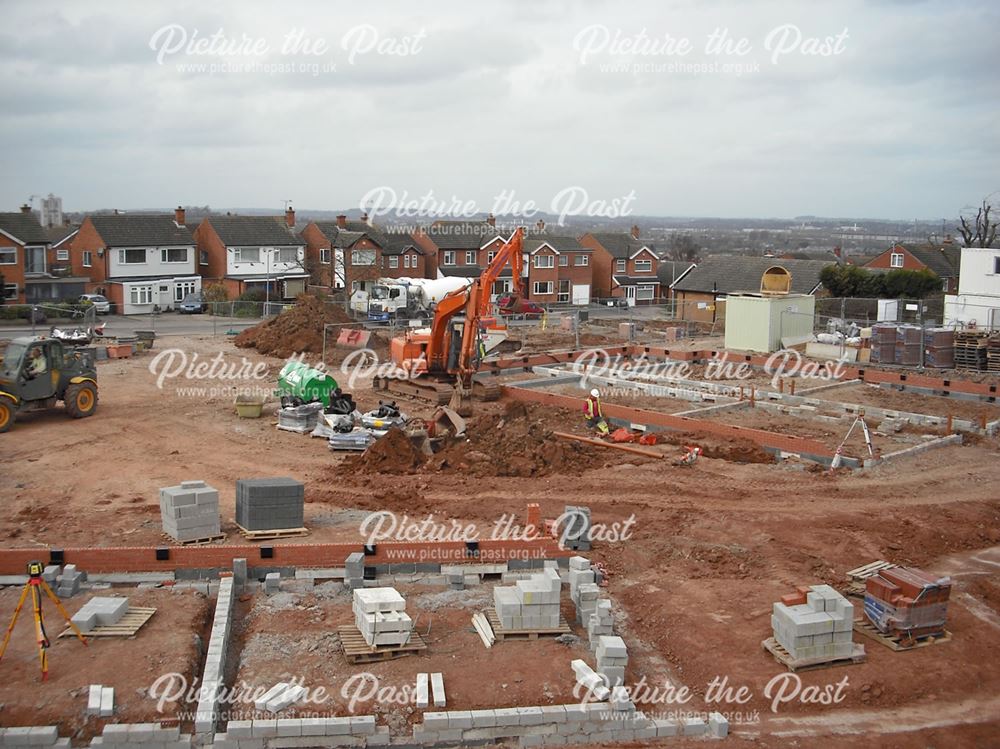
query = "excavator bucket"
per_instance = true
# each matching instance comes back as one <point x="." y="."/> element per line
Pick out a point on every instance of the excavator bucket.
<point x="461" y="399"/>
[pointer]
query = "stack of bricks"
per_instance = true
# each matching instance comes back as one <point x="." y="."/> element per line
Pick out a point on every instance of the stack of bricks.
<point x="530" y="604"/>
<point x="612" y="657"/>
<point x="100" y="612"/>
<point x="380" y="615"/>
<point x="815" y="622"/>
<point x="68" y="583"/>
<point x="269" y="504"/>
<point x="354" y="571"/>
<point x="190" y="511"/>
<point x="907" y="602"/>
<point x="575" y="531"/>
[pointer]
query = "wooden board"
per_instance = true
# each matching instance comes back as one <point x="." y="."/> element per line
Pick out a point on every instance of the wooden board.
<point x="524" y="634"/>
<point x="897" y="642"/>
<point x="127" y="626"/>
<point x="268" y="535"/>
<point x="867" y="570"/>
<point x="194" y="541"/>
<point x="357" y="650"/>
<point x="808" y="664"/>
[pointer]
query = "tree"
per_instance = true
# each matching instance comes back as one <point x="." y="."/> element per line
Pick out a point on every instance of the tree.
<point x="852" y="281"/>
<point x="682" y="247"/>
<point x="979" y="230"/>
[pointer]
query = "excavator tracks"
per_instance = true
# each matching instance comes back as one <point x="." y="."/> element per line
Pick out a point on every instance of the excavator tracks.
<point x="438" y="393"/>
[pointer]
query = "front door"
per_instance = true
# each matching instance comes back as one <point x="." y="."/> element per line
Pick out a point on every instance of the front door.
<point x="630" y="295"/>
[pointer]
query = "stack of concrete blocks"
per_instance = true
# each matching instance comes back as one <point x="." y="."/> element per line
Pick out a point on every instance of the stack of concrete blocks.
<point x="820" y="627"/>
<point x="215" y="660"/>
<point x="600" y="623"/>
<point x="380" y="615"/>
<point x="190" y="511"/>
<point x="575" y="530"/>
<point x="280" y="696"/>
<point x="270" y="504"/>
<point x="530" y="604"/>
<point x="101" y="701"/>
<point x="68" y="583"/>
<point x="612" y="657"/>
<point x="354" y="571"/>
<point x="100" y="611"/>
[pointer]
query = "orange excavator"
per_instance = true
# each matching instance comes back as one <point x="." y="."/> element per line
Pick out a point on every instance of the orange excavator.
<point x="461" y="333"/>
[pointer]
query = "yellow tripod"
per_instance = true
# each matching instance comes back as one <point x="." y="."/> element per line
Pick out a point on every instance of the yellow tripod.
<point x="35" y="585"/>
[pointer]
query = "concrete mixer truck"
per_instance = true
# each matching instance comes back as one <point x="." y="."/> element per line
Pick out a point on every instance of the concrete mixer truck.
<point x="410" y="298"/>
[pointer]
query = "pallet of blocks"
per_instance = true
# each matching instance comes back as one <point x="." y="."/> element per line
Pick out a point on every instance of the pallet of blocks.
<point x="190" y="512"/>
<point x="382" y="628"/>
<point x="905" y="605"/>
<point x="993" y="354"/>
<point x="813" y="627"/>
<point x="529" y="607"/>
<point x="970" y="349"/>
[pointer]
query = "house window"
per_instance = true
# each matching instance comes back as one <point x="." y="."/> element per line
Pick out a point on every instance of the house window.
<point x="287" y="255"/>
<point x="564" y="288"/>
<point x="896" y="260"/>
<point x="544" y="261"/>
<point x="394" y="261"/>
<point x="582" y="259"/>
<point x="470" y="257"/>
<point x="619" y="266"/>
<point x="490" y="256"/>
<point x="247" y="255"/>
<point x="174" y="255"/>
<point x="62" y="255"/>
<point x="88" y="258"/>
<point x="182" y="289"/>
<point x="449" y="258"/>
<point x="362" y="257"/>
<point x="542" y="287"/>
<point x="563" y="261"/>
<point x="203" y="257"/>
<point x="8" y="256"/>
<point x="141" y="295"/>
<point x="996" y="264"/>
<point x="131" y="257"/>
<point x="10" y="291"/>
<point x="644" y="291"/>
<point x="643" y="266"/>
<point x="324" y="256"/>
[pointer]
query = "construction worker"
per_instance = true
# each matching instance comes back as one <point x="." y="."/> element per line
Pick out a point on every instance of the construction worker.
<point x="37" y="366"/>
<point x="593" y="412"/>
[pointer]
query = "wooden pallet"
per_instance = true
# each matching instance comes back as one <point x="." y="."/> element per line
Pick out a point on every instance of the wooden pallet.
<point x="524" y="634"/>
<point x="808" y="664"/>
<point x="269" y="535"/>
<point x="127" y="626"/>
<point x="897" y="642"/>
<point x="194" y="541"/>
<point x="357" y="650"/>
<point x="858" y="576"/>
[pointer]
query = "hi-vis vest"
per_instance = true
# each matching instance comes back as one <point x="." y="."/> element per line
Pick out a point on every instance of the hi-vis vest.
<point x="592" y="408"/>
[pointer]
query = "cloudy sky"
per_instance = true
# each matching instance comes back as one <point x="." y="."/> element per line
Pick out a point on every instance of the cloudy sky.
<point x="864" y="109"/>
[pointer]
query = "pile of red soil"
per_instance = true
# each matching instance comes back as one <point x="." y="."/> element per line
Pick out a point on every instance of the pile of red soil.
<point x="725" y="448"/>
<point x="295" y="331"/>
<point x="393" y="453"/>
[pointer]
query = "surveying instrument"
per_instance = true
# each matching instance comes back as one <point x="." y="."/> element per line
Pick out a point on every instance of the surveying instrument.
<point x="35" y="585"/>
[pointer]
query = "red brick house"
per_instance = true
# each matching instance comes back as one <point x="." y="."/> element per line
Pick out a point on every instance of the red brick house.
<point x="464" y="249"/>
<point x="944" y="260"/>
<point x="624" y="266"/>
<point x="559" y="269"/>
<point x="24" y="249"/>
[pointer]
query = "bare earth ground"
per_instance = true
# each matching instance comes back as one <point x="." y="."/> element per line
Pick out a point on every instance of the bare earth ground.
<point x="714" y="546"/>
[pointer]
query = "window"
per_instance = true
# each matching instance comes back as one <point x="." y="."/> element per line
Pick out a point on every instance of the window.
<point x="643" y="266"/>
<point x="644" y="291"/>
<point x="141" y="295"/>
<point x="619" y="266"/>
<point x="88" y="258"/>
<point x="324" y="256"/>
<point x="247" y="255"/>
<point x="544" y="261"/>
<point x="131" y="257"/>
<point x="564" y="288"/>
<point x="394" y="261"/>
<point x="896" y="260"/>
<point x="287" y="255"/>
<point x="8" y="256"/>
<point x="542" y="287"/>
<point x="449" y="257"/>
<point x="203" y="257"/>
<point x="62" y="255"/>
<point x="996" y="264"/>
<point x="582" y="260"/>
<point x="362" y="257"/>
<point x="182" y="289"/>
<point x="490" y="256"/>
<point x="470" y="257"/>
<point x="174" y="255"/>
<point x="10" y="291"/>
<point x="409" y="256"/>
<point x="563" y="261"/>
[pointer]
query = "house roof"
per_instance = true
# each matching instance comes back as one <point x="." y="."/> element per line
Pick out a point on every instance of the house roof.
<point x="729" y="274"/>
<point x="465" y="271"/>
<point x="942" y="260"/>
<point x="252" y="231"/>
<point x="623" y="280"/>
<point x="24" y="227"/>
<point x="396" y="243"/>
<point x="461" y="235"/>
<point x="141" y="230"/>
<point x="621" y="245"/>
<point x="59" y="234"/>
<point x="556" y="242"/>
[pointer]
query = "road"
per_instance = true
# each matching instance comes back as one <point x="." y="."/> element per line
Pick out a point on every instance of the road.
<point x="171" y="324"/>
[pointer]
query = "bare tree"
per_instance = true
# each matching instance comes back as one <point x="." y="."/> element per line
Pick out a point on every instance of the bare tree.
<point x="981" y="230"/>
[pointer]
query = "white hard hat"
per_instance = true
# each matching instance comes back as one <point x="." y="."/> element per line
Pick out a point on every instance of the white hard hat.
<point x="595" y="393"/>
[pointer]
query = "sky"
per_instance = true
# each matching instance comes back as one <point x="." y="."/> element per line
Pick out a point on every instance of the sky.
<point x="886" y="108"/>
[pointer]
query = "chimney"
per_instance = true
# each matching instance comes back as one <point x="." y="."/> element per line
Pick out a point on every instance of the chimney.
<point x="341" y="221"/>
<point x="491" y="220"/>
<point x="540" y="225"/>
<point x="179" y="215"/>
<point x="364" y="218"/>
<point x="290" y="217"/>
<point x="635" y="231"/>
<point x="25" y="208"/>
<point x="836" y="252"/>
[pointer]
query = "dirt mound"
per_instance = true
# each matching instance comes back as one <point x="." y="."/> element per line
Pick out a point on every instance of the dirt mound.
<point x="725" y="448"/>
<point x="393" y="453"/>
<point x="294" y="331"/>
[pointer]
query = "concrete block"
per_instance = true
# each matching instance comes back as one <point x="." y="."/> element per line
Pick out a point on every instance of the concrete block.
<point x="505" y="716"/>
<point x="434" y="721"/>
<point x="289" y="727"/>
<point x="693" y="727"/>
<point x="718" y="725"/>
<point x="94" y="700"/>
<point x="422" y="691"/>
<point x="264" y="728"/>
<point x="337" y="726"/>
<point x="107" y="702"/>
<point x="483" y="718"/>
<point x="530" y="716"/>
<point x="611" y="646"/>
<point x="239" y="729"/>
<point x="459" y="719"/>
<point x="362" y="725"/>
<point x="437" y="684"/>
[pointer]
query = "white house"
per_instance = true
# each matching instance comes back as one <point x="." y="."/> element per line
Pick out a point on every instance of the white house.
<point x="978" y="299"/>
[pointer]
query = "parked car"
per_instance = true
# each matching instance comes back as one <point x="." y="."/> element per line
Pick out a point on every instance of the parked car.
<point x="101" y="304"/>
<point x="508" y="304"/>
<point x="192" y="304"/>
